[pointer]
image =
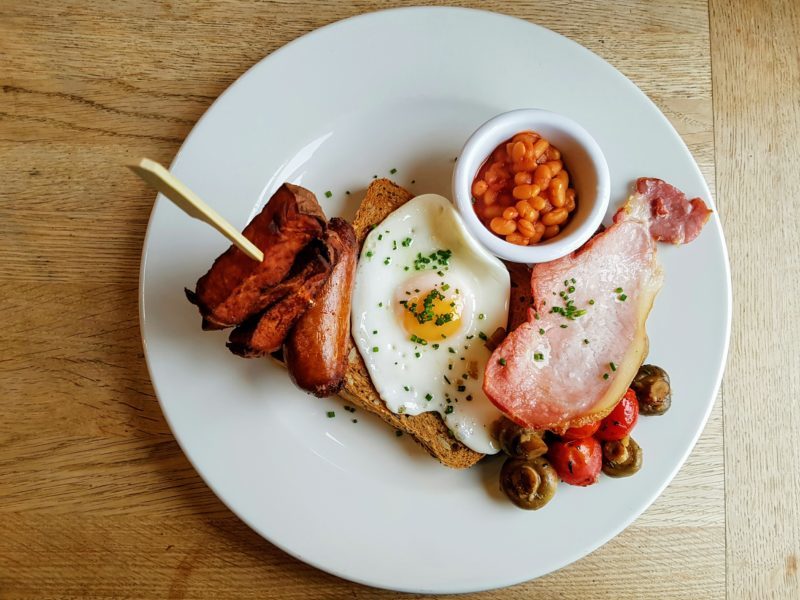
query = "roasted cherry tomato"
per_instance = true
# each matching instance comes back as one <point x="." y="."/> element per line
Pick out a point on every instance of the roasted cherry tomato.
<point x="621" y="420"/>
<point x="577" y="462"/>
<point x="578" y="433"/>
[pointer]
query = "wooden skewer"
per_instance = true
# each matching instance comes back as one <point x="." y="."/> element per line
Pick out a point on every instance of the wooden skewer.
<point x="157" y="177"/>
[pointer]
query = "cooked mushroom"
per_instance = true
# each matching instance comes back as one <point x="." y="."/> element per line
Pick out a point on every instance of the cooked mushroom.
<point x="651" y="385"/>
<point x="530" y="484"/>
<point x="517" y="441"/>
<point x="621" y="458"/>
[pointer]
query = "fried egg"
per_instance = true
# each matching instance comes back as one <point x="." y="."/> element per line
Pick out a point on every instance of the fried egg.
<point x="426" y="298"/>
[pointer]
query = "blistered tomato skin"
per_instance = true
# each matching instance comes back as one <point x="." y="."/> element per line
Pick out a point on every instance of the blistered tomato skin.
<point x="578" y="433"/>
<point x="621" y="420"/>
<point x="577" y="462"/>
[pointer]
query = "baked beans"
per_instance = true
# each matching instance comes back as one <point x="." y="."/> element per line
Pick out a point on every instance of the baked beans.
<point x="522" y="192"/>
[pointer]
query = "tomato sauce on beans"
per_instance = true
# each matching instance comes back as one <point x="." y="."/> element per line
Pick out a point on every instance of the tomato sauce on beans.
<point x="522" y="192"/>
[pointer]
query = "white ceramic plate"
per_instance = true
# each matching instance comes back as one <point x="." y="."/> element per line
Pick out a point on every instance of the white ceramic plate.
<point x="403" y="89"/>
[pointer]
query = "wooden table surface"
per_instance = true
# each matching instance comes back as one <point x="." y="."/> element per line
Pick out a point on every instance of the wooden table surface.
<point x="96" y="498"/>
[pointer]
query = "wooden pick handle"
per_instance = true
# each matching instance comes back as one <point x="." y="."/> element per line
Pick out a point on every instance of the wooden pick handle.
<point x="158" y="178"/>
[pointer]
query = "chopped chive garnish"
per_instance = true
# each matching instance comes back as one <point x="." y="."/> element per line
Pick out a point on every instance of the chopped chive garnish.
<point x="331" y="414"/>
<point x="328" y="194"/>
<point x="564" y="326"/>
<point x="538" y="356"/>
<point x="501" y="362"/>
<point x="591" y="302"/>
<point x="369" y="253"/>
<point x="448" y="410"/>
<point x="572" y="280"/>
<point x="406" y="242"/>
<point x="613" y="366"/>
<point x="451" y="350"/>
<point x="380" y="236"/>
<point x="374" y="332"/>
<point x="618" y="291"/>
<point x="605" y="375"/>
<point x="585" y="341"/>
<point x="417" y="354"/>
<point x="428" y="397"/>
<point x="406" y="388"/>
<point x="622" y="297"/>
<point x="393" y="171"/>
<point x="482" y="336"/>
<point x="435" y="346"/>
<point x="375" y="348"/>
<point x="481" y="316"/>
<point x="445" y="287"/>
<point x="387" y="260"/>
<point x="541" y="331"/>
<point x="462" y="388"/>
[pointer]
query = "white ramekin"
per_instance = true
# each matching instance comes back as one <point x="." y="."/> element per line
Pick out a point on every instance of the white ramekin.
<point x="583" y="159"/>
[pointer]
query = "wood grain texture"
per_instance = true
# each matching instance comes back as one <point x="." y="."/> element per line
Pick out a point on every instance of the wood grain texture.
<point x="757" y="110"/>
<point x="96" y="499"/>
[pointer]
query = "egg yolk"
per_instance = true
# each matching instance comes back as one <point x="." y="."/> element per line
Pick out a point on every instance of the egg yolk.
<point x="432" y="315"/>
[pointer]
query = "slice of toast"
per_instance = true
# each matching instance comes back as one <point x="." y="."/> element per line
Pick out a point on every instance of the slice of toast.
<point x="428" y="429"/>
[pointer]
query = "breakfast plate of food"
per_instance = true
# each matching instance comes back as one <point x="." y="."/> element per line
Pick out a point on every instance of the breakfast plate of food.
<point x="492" y="313"/>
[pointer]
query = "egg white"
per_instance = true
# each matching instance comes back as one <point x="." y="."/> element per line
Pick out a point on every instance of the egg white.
<point x="410" y="377"/>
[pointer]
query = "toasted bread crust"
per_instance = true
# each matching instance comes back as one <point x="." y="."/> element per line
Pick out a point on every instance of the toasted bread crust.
<point x="520" y="300"/>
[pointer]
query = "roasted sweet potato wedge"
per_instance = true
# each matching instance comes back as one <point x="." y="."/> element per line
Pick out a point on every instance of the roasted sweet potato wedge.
<point x="264" y="333"/>
<point x="237" y="287"/>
